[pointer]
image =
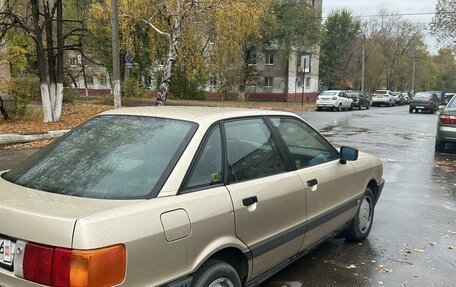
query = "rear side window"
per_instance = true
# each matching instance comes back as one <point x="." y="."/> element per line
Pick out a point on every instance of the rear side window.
<point x="207" y="170"/>
<point x="252" y="151"/>
<point x="306" y="146"/>
<point x="111" y="157"/>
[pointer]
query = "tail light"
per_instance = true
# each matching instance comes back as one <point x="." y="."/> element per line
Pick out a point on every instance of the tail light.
<point x="431" y="101"/>
<point x="334" y="98"/>
<point x="61" y="267"/>
<point x="357" y="99"/>
<point x="447" y="119"/>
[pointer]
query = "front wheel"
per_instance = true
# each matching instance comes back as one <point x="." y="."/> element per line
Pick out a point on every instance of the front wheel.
<point x="410" y="110"/>
<point x="216" y="273"/>
<point x="361" y="224"/>
<point x="351" y="107"/>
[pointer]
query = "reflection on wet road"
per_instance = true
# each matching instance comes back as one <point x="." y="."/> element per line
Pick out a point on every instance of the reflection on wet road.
<point x="413" y="239"/>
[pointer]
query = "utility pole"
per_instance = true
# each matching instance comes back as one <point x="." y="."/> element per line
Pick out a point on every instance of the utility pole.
<point x="413" y="72"/>
<point x="363" y="63"/>
<point x="115" y="54"/>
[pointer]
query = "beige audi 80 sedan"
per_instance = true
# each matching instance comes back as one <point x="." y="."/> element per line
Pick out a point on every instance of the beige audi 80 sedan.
<point x="174" y="196"/>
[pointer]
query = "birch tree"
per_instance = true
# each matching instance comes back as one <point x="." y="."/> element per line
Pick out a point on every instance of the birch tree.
<point x="42" y="20"/>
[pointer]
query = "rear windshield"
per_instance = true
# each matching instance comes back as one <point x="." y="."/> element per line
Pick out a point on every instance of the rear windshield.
<point x="110" y="157"/>
<point x="381" y="92"/>
<point x="452" y="104"/>
<point x="353" y="95"/>
<point x="327" y="93"/>
<point x="422" y="95"/>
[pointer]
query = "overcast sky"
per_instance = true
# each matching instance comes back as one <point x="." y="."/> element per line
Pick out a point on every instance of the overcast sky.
<point x="372" y="7"/>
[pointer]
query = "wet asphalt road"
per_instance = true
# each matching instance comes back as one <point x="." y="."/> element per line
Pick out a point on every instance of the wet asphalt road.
<point x="415" y="219"/>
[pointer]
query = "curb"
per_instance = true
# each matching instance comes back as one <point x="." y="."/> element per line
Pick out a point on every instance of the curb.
<point x="7" y="139"/>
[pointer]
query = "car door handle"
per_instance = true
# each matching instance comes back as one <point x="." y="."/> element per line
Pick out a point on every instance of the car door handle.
<point x="312" y="182"/>
<point x="250" y="200"/>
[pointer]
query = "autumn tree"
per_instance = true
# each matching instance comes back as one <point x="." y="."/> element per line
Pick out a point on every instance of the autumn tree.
<point x="338" y="63"/>
<point x="43" y="21"/>
<point x="443" y="24"/>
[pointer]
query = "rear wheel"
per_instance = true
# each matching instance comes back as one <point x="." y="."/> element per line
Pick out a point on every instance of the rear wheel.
<point x="361" y="225"/>
<point x="351" y="107"/>
<point x="216" y="273"/>
<point x="439" y="146"/>
<point x="410" y="110"/>
<point x="339" y="108"/>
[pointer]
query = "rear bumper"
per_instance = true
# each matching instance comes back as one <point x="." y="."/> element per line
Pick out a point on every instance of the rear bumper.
<point x="423" y="106"/>
<point x="446" y="133"/>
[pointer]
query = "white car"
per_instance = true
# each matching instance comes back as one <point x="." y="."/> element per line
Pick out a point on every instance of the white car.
<point x="334" y="100"/>
<point x="383" y="97"/>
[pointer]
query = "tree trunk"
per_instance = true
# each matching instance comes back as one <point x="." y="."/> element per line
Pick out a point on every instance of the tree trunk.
<point x="51" y="59"/>
<point x="38" y="33"/>
<point x="57" y="109"/>
<point x="174" y="41"/>
<point x="115" y="54"/>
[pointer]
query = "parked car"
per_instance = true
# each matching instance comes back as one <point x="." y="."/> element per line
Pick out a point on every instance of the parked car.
<point x="383" y="98"/>
<point x="334" y="100"/>
<point x="398" y="98"/>
<point x="424" y="101"/>
<point x="446" y="126"/>
<point x="180" y="196"/>
<point x="359" y="99"/>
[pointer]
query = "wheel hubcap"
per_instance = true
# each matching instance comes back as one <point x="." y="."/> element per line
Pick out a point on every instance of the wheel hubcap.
<point x="222" y="282"/>
<point x="365" y="215"/>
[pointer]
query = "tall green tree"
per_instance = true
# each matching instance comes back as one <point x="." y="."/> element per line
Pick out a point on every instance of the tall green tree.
<point x="443" y="24"/>
<point x="337" y="62"/>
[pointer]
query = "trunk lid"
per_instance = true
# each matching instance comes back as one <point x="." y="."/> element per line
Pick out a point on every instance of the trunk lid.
<point x="44" y="217"/>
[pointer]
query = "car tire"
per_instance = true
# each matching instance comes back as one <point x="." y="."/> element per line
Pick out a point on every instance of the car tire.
<point x="361" y="224"/>
<point x="367" y="106"/>
<point x="410" y="110"/>
<point x="319" y="109"/>
<point x="216" y="273"/>
<point x="351" y="107"/>
<point x="339" y="108"/>
<point x="439" y="146"/>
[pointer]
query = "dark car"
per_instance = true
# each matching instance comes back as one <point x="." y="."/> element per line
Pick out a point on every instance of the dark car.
<point x="425" y="101"/>
<point x="359" y="99"/>
<point x="399" y="98"/>
<point x="446" y="126"/>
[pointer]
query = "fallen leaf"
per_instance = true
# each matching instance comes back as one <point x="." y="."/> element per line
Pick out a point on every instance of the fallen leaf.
<point x="419" y="250"/>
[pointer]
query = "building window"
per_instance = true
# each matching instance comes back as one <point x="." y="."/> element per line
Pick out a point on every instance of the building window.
<point x="268" y="81"/>
<point x="304" y="63"/>
<point x="213" y="81"/>
<point x="74" y="61"/>
<point x="102" y="79"/>
<point x="269" y="59"/>
<point x="252" y="58"/>
<point x="299" y="82"/>
<point x="89" y="79"/>
<point x="307" y="82"/>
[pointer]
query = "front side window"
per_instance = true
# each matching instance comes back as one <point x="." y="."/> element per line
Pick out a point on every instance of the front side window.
<point x="207" y="170"/>
<point x="306" y="146"/>
<point x="252" y="151"/>
<point x="110" y="157"/>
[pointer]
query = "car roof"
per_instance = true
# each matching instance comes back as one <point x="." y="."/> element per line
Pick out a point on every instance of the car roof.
<point x="194" y="113"/>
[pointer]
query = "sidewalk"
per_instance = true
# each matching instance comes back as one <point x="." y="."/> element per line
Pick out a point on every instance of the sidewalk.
<point x="8" y="139"/>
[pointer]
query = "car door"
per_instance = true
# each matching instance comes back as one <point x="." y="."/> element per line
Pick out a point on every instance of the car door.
<point x="268" y="197"/>
<point x="330" y="185"/>
<point x="346" y="100"/>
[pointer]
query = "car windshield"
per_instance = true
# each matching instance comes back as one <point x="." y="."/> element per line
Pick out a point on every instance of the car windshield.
<point x="109" y="157"/>
<point x="422" y="95"/>
<point x="395" y="93"/>
<point x="327" y="93"/>
<point x="353" y="95"/>
<point x="381" y="92"/>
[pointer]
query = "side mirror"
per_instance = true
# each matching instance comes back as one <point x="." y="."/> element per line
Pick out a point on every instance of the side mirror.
<point x="441" y="107"/>
<point x="348" y="154"/>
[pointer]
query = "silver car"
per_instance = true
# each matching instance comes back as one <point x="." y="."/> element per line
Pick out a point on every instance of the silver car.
<point x="446" y="126"/>
<point x="180" y="196"/>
